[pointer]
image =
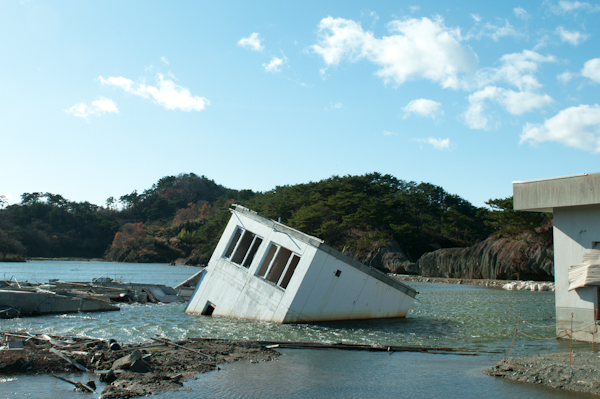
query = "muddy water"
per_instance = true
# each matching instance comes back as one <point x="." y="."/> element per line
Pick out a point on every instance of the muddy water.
<point x="458" y="316"/>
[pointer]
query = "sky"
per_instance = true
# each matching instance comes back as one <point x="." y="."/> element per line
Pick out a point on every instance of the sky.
<point x="98" y="99"/>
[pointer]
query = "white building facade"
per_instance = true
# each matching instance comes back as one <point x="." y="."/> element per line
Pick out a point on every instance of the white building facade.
<point x="264" y="270"/>
<point x="575" y="203"/>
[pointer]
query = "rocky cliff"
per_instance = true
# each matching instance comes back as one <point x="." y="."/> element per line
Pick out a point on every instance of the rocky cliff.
<point x="388" y="258"/>
<point x="494" y="258"/>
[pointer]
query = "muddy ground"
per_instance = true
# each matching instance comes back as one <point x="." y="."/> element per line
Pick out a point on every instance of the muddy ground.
<point x="553" y="370"/>
<point x="137" y="370"/>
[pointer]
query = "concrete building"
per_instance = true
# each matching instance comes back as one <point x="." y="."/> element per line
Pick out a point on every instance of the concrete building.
<point x="264" y="270"/>
<point x="575" y="203"/>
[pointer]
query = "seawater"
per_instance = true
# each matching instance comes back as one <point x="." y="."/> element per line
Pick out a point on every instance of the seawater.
<point x="463" y="317"/>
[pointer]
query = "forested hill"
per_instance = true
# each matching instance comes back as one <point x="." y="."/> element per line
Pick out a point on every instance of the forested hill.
<point x="180" y="218"/>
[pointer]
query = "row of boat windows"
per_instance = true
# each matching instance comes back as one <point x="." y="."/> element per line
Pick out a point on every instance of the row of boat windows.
<point x="278" y="266"/>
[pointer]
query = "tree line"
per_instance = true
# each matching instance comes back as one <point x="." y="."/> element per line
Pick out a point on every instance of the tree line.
<point x="182" y="217"/>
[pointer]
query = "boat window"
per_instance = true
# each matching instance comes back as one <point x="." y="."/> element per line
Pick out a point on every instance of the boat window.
<point x="279" y="265"/>
<point x="243" y="246"/>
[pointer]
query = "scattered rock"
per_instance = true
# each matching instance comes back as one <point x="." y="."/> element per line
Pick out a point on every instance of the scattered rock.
<point x="109" y="377"/>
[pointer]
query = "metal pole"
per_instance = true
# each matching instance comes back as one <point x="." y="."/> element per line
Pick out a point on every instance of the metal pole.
<point x="594" y="329"/>
<point x="513" y="340"/>
<point x="571" y="340"/>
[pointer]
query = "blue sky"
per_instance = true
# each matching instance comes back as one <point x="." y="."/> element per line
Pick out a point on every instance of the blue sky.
<point x="98" y="99"/>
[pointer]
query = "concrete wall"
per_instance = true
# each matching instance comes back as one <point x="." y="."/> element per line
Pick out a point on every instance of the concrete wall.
<point x="545" y="194"/>
<point x="576" y="229"/>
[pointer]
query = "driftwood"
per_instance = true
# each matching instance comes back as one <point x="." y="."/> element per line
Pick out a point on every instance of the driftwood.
<point x="68" y="359"/>
<point x="359" y="347"/>
<point x="78" y="384"/>
<point x="169" y="342"/>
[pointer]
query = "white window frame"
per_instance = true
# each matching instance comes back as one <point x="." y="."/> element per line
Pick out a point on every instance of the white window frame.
<point x="237" y="245"/>
<point x="285" y="269"/>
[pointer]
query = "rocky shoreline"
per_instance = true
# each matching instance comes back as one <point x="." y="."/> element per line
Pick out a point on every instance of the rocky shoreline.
<point x="445" y="280"/>
<point x="555" y="370"/>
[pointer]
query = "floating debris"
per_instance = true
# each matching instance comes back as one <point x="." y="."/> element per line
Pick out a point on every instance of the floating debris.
<point x="57" y="297"/>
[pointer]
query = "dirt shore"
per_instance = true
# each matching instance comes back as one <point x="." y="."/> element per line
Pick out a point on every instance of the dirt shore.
<point x="553" y="370"/>
<point x="131" y="370"/>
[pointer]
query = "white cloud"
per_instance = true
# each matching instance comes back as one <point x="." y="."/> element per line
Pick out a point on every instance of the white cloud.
<point x="253" y="42"/>
<point x="521" y="13"/>
<point x="416" y="48"/>
<point x="438" y="144"/>
<point x="105" y="105"/>
<point x="474" y="117"/>
<point x="423" y="107"/>
<point x="490" y="30"/>
<point x="577" y="127"/>
<point x="591" y="69"/>
<point x="386" y="133"/>
<point x="98" y="107"/>
<point x="565" y="77"/>
<point x="165" y="60"/>
<point x="374" y="15"/>
<point x="542" y="42"/>
<point x="516" y="69"/>
<point x="573" y="6"/>
<point x="476" y="17"/>
<point x="274" y="65"/>
<point x="572" y="37"/>
<point x="337" y="105"/>
<point x="166" y="93"/>
<point x="515" y="102"/>
<point x="414" y="9"/>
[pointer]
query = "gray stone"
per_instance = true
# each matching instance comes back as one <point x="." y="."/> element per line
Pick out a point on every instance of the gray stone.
<point x="389" y="259"/>
<point x="125" y="362"/>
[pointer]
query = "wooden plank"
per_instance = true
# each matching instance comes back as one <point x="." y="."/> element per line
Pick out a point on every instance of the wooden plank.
<point x="68" y="359"/>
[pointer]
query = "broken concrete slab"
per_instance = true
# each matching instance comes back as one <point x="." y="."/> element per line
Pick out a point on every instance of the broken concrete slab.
<point x="38" y="303"/>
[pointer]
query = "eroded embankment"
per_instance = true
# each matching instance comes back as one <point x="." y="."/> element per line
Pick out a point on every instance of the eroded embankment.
<point x="556" y="370"/>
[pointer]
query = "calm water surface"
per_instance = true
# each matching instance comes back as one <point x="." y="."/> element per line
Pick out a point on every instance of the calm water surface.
<point x="457" y="316"/>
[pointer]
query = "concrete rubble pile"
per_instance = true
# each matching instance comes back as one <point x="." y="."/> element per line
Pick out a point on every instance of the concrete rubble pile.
<point x="121" y="370"/>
